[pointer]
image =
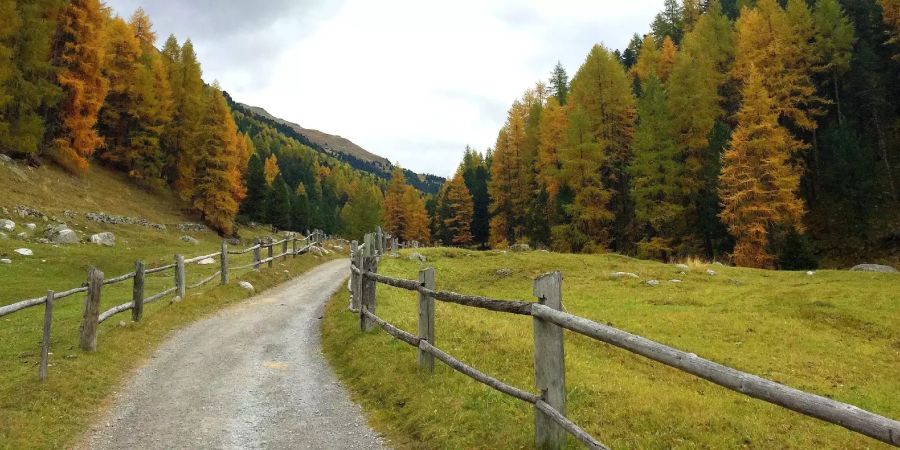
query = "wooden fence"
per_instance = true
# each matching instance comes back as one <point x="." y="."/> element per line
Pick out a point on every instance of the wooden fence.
<point x="93" y="317"/>
<point x="549" y="320"/>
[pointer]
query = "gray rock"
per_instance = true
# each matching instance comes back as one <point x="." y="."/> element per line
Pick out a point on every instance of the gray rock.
<point x="520" y="248"/>
<point x="106" y="238"/>
<point x="675" y="281"/>
<point x="5" y="158"/>
<point x="652" y="282"/>
<point x="710" y="272"/>
<point x="7" y="225"/>
<point x="623" y="274"/>
<point x="873" y="268"/>
<point x="61" y="234"/>
<point x="190" y="226"/>
<point x="503" y="273"/>
<point x="23" y="235"/>
<point x="24" y="251"/>
<point x="190" y="240"/>
<point x="810" y="272"/>
<point x="101" y="217"/>
<point x="682" y="266"/>
<point x="5" y="261"/>
<point x="416" y="256"/>
<point x="247" y="286"/>
<point x="206" y="262"/>
<point x="30" y="226"/>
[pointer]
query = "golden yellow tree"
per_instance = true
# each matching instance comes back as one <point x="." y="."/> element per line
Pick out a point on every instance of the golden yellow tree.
<point x="394" y="208"/>
<point x="667" y="54"/>
<point x="271" y="169"/>
<point x="552" y="136"/>
<point x="758" y="184"/>
<point x="648" y="59"/>
<point x="79" y="58"/>
<point x="417" y="228"/>
<point x="458" y="201"/>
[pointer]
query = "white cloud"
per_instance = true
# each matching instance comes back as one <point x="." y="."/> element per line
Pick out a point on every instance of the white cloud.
<point x="411" y="80"/>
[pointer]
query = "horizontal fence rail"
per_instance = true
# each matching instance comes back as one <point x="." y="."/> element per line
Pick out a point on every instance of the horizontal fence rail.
<point x="93" y="317"/>
<point x="549" y="321"/>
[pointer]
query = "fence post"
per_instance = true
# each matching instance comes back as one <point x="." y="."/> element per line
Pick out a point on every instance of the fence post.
<point x="549" y="364"/>
<point x="179" y="278"/>
<point x="367" y="297"/>
<point x="256" y="252"/>
<point x="426" y="320"/>
<point x="45" y="340"/>
<point x="270" y="241"/>
<point x="91" y="315"/>
<point x="223" y="259"/>
<point x="137" y="292"/>
<point x="354" y="295"/>
<point x="393" y="245"/>
<point x="294" y="247"/>
<point x="379" y="240"/>
<point x="284" y="246"/>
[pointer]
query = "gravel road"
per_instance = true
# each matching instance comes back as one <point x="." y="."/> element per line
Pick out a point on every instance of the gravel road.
<point x="251" y="376"/>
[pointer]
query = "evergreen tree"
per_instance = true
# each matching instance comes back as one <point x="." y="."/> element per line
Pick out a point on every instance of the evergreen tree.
<point x="79" y="57"/>
<point x="300" y="210"/>
<point x="669" y="22"/>
<point x="363" y="211"/>
<point x="253" y="206"/>
<point x="559" y="83"/>
<point x="278" y="205"/>
<point x="891" y="15"/>
<point x="476" y="175"/>
<point x="758" y="183"/>
<point x="630" y="55"/>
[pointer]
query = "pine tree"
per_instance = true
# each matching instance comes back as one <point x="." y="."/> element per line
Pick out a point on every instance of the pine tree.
<point x="834" y="39"/>
<point x="669" y="22"/>
<point x="476" y="174"/>
<point x="461" y="210"/>
<point x="630" y="55"/>
<point x="119" y="115"/>
<point x="656" y="175"/>
<point x="257" y="191"/>
<point x="278" y="205"/>
<point x="79" y="59"/>
<point x="559" y="83"/>
<point x="758" y="183"/>
<point x="300" y="208"/>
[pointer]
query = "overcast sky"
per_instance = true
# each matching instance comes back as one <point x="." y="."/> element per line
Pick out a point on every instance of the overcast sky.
<point x="412" y="80"/>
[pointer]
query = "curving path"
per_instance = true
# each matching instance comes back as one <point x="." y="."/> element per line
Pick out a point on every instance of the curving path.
<point x="251" y="376"/>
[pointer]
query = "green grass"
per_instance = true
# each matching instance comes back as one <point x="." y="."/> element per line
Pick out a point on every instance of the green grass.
<point x="54" y="413"/>
<point x="835" y="333"/>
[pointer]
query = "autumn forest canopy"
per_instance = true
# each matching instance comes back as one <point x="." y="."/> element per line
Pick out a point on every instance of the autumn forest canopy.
<point x="762" y="132"/>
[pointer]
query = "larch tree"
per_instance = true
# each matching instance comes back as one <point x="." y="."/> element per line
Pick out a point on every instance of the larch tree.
<point x="656" y="175"/>
<point x="552" y="130"/>
<point x="7" y="65"/>
<point x="759" y="185"/>
<point x="272" y="170"/>
<point x="461" y="210"/>
<point x="119" y="115"/>
<point x="648" y="59"/>
<point x="603" y="91"/>
<point x="183" y="136"/>
<point x="79" y="58"/>
<point x="395" y="219"/>
<point x="891" y="16"/>
<point x="667" y="54"/>
<point x="363" y="210"/>
<point x="416" y="216"/>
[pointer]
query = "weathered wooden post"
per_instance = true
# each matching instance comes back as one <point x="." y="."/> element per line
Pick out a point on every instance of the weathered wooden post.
<point x="284" y="246"/>
<point x="354" y="297"/>
<point x="90" y="319"/>
<point x="357" y="287"/>
<point x="271" y="244"/>
<point x="223" y="261"/>
<point x="45" y="340"/>
<point x="368" y="250"/>
<point x="256" y="251"/>
<point x="370" y="264"/>
<point x="179" y="278"/>
<point x="137" y="292"/>
<point x="426" y="319"/>
<point x="549" y="364"/>
<point x="393" y="245"/>
<point x="379" y="240"/>
<point x="294" y="246"/>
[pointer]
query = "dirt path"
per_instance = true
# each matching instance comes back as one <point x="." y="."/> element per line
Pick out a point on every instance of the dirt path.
<point x="252" y="376"/>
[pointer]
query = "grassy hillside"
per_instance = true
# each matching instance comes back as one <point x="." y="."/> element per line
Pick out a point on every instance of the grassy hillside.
<point x="52" y="414"/>
<point x="834" y="333"/>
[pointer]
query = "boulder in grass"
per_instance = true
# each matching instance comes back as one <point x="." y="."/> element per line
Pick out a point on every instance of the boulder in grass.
<point x="873" y="268"/>
<point x="61" y="234"/>
<point x="106" y="239"/>
<point x="682" y="267"/>
<point x="520" y="248"/>
<point x="416" y="256"/>
<point x="623" y="274"/>
<point x="652" y="282"/>
<point x="7" y="225"/>
<point x="190" y="240"/>
<point x="5" y="261"/>
<point x="247" y="286"/>
<point x="24" y="251"/>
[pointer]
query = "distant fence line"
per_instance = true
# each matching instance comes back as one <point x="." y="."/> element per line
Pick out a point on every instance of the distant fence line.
<point x="93" y="317"/>
<point x="549" y="321"/>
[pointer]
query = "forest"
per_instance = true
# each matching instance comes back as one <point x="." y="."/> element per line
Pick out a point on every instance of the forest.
<point x="81" y="86"/>
<point x="762" y="131"/>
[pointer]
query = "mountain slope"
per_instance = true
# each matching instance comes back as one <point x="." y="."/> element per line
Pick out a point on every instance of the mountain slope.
<point x="340" y="148"/>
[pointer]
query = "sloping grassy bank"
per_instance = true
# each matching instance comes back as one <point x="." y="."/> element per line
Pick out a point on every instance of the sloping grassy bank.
<point x="833" y="333"/>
